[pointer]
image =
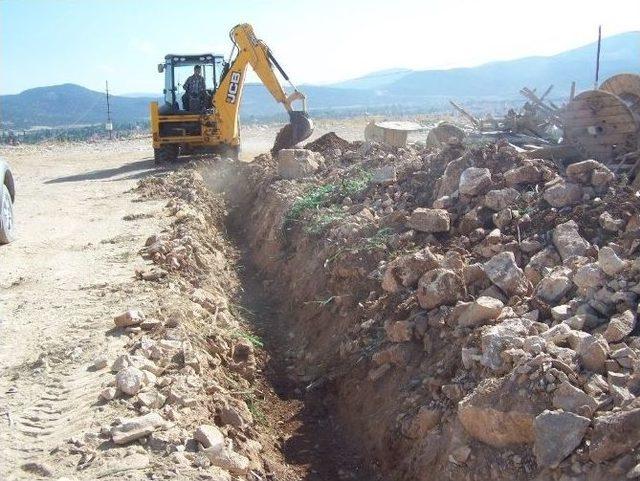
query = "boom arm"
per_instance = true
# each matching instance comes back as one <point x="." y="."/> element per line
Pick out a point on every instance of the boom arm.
<point x="254" y="52"/>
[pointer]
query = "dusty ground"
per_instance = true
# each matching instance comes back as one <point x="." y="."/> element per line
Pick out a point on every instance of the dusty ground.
<point x="62" y="281"/>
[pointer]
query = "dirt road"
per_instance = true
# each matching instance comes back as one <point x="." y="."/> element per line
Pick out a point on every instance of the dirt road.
<point x="61" y="282"/>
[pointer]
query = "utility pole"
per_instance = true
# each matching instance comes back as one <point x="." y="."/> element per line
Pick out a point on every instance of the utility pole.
<point x="595" y="86"/>
<point x="109" y="125"/>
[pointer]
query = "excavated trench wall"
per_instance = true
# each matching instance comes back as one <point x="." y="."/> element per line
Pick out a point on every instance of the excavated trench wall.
<point x="326" y="311"/>
<point x="437" y="382"/>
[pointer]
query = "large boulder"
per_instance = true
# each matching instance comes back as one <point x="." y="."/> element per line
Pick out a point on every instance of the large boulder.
<point x="404" y="271"/>
<point x="474" y="181"/>
<point x="440" y="286"/>
<point x="130" y="380"/>
<point x="568" y="241"/>
<point x="614" y="435"/>
<point x="499" y="413"/>
<point x="505" y="273"/>
<point x="590" y="172"/>
<point x="429" y="220"/>
<point x="557" y="434"/>
<point x="298" y="163"/>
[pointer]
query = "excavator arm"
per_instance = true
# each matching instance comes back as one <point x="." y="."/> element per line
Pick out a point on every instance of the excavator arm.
<point x="254" y="52"/>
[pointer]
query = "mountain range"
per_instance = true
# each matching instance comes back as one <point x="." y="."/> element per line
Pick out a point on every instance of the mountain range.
<point x="390" y="90"/>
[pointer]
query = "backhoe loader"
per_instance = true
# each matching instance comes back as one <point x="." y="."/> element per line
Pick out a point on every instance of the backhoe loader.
<point x="177" y="128"/>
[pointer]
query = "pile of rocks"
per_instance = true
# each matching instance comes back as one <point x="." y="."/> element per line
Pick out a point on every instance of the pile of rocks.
<point x="527" y="270"/>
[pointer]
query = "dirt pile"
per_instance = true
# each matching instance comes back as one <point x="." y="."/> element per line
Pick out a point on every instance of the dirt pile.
<point x="471" y="314"/>
<point x="328" y="141"/>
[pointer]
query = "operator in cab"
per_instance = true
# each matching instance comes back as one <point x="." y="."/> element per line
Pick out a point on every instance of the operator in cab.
<point x="195" y="91"/>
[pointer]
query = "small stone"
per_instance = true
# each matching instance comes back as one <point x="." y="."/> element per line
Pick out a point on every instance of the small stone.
<point x="620" y="326"/>
<point x="429" y="220"/>
<point x="500" y="199"/>
<point x="152" y="399"/>
<point x="384" y="175"/>
<point x="129" y="318"/>
<point x="554" y="286"/>
<point x="480" y="311"/>
<point x="609" y="262"/>
<point x="405" y="270"/>
<point x="589" y="276"/>
<point x="108" y="393"/>
<point x="438" y="287"/>
<point x="593" y="352"/>
<point x="135" y="428"/>
<point x="130" y="380"/>
<point x="557" y="435"/>
<point x="399" y="331"/>
<point x="528" y="173"/>
<point x="572" y="399"/>
<point x="298" y="163"/>
<point x="100" y="363"/>
<point x="505" y="273"/>
<point x="608" y="222"/>
<point x="568" y="241"/>
<point x="563" y="194"/>
<point x="209" y="436"/>
<point x="227" y="459"/>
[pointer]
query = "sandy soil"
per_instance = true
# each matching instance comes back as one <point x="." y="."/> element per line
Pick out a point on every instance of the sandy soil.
<point x="61" y="282"/>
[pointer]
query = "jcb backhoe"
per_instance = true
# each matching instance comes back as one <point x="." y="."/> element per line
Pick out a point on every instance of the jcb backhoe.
<point x="213" y="124"/>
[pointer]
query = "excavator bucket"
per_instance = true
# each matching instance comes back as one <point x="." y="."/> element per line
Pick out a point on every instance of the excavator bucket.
<point x="299" y="128"/>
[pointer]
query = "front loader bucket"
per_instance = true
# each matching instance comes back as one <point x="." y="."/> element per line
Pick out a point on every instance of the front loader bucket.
<point x="299" y="128"/>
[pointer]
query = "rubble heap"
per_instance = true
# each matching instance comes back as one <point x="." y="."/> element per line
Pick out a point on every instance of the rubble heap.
<point x="474" y="310"/>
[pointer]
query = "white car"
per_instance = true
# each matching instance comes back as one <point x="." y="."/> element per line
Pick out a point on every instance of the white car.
<point x="7" y="198"/>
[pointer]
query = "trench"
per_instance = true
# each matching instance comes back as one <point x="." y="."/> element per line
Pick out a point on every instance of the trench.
<point x="313" y="442"/>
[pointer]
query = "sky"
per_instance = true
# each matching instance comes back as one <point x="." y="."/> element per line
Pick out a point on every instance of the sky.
<point x="48" y="42"/>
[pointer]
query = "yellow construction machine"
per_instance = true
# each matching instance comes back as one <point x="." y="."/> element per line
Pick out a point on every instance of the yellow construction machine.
<point x="211" y="124"/>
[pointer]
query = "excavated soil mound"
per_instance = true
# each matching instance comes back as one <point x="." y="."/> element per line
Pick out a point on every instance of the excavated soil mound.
<point x="328" y="141"/>
<point x="470" y="314"/>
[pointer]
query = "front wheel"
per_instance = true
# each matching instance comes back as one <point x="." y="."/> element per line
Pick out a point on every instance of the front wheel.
<point x="7" y="232"/>
<point x="165" y="154"/>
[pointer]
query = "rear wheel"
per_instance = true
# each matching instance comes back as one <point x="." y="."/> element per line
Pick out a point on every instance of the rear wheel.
<point x="6" y="216"/>
<point x="166" y="153"/>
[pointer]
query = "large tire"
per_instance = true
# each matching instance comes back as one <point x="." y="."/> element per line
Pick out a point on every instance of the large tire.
<point x="165" y="154"/>
<point x="7" y="227"/>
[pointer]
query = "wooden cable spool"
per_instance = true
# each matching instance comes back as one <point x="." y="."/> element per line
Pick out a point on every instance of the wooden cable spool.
<point x="600" y="126"/>
<point x="627" y="87"/>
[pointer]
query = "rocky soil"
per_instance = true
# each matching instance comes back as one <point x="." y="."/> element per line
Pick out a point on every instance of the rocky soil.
<point x="469" y="314"/>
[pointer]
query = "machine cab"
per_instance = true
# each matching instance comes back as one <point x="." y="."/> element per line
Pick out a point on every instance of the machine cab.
<point x="178" y="68"/>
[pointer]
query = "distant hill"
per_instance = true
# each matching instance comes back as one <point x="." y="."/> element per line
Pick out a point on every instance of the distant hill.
<point x="619" y="53"/>
<point x="374" y="80"/>
<point x="389" y="91"/>
<point x="67" y="104"/>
